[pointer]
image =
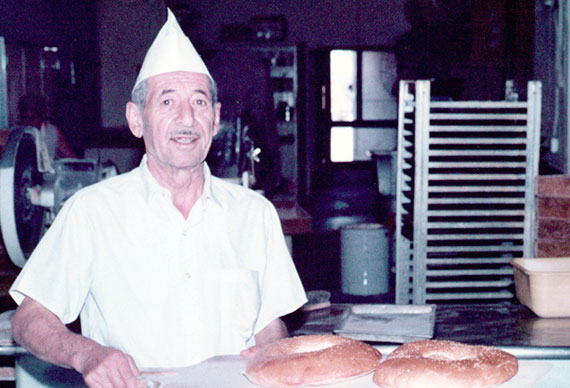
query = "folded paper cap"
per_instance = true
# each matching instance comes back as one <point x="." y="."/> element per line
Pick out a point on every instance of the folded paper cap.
<point x="171" y="51"/>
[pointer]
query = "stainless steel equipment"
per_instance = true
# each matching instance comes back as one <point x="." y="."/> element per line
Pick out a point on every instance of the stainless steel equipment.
<point x="233" y="154"/>
<point x="33" y="189"/>
<point x="465" y="194"/>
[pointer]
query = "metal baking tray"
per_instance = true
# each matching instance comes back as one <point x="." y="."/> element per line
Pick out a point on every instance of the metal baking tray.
<point x="387" y="322"/>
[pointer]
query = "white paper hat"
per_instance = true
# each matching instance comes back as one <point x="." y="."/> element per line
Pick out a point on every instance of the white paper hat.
<point x="171" y="51"/>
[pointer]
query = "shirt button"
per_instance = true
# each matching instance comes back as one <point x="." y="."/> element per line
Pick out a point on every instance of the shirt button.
<point x="187" y="275"/>
<point x="185" y="233"/>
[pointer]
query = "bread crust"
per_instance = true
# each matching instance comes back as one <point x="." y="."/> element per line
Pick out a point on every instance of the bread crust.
<point x="438" y="363"/>
<point x="312" y="360"/>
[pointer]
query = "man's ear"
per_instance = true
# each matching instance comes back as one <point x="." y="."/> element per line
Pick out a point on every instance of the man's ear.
<point x="217" y="110"/>
<point x="135" y="119"/>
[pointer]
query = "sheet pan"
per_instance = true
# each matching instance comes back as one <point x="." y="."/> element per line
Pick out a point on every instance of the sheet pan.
<point x="387" y="322"/>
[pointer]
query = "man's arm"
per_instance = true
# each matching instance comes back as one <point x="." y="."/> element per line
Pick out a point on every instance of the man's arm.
<point x="274" y="331"/>
<point x="43" y="334"/>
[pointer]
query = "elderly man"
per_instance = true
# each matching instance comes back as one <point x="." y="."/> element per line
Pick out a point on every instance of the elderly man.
<point x="166" y="265"/>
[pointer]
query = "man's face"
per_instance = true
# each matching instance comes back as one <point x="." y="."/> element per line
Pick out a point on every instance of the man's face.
<point x="179" y="120"/>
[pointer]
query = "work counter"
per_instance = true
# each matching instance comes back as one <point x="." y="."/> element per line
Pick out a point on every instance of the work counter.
<point x="511" y="327"/>
<point x="501" y="324"/>
<point x="508" y="326"/>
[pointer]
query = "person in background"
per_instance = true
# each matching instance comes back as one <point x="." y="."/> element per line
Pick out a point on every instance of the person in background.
<point x="166" y="265"/>
<point x="33" y="112"/>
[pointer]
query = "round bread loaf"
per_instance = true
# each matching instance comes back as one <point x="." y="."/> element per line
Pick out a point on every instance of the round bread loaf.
<point x="438" y="364"/>
<point x="312" y="360"/>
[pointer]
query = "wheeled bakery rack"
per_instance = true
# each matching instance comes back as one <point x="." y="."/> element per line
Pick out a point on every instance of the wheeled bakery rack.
<point x="465" y="187"/>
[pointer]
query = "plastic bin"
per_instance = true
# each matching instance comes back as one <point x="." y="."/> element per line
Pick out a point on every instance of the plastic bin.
<point x="543" y="285"/>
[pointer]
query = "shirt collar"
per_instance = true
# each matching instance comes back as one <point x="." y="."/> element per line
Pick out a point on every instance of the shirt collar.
<point x="153" y="188"/>
<point x="209" y="192"/>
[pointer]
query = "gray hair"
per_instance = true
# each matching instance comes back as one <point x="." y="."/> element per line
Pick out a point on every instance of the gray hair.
<point x="138" y="95"/>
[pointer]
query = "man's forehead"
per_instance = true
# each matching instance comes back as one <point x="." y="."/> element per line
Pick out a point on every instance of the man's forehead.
<point x="171" y="90"/>
<point x="168" y="83"/>
<point x="180" y="78"/>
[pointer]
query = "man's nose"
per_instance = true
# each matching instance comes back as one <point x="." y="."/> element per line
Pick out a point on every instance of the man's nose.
<point x="186" y="114"/>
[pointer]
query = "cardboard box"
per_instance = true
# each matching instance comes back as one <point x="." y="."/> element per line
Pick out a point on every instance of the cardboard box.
<point x="552" y="230"/>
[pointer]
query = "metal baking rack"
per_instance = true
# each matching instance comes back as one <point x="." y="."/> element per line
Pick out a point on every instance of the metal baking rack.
<point x="465" y="194"/>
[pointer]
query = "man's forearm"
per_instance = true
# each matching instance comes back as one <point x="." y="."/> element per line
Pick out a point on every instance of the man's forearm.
<point x="41" y="332"/>
<point x="274" y="331"/>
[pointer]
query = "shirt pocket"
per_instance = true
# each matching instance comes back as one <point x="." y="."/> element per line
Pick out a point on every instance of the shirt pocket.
<point x="240" y="303"/>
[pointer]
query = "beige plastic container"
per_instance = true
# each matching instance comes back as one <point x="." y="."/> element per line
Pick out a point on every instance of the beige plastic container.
<point x="543" y="285"/>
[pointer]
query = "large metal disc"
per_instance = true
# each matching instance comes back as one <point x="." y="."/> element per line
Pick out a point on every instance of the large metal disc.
<point x="22" y="223"/>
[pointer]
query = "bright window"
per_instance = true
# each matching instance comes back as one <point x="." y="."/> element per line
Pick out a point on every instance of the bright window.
<point x="342" y="144"/>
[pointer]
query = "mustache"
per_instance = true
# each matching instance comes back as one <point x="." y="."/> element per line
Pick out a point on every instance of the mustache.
<point x="186" y="131"/>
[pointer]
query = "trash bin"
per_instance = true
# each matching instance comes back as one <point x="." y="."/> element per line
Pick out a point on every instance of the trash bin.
<point x="365" y="259"/>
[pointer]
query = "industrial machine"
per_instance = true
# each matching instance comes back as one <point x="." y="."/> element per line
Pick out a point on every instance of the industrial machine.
<point x="33" y="188"/>
<point x="233" y="154"/>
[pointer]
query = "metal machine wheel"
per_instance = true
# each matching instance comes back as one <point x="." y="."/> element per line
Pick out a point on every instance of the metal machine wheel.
<point x="21" y="222"/>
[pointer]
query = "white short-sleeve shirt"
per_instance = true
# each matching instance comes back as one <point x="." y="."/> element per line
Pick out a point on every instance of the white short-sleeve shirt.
<point x="167" y="290"/>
